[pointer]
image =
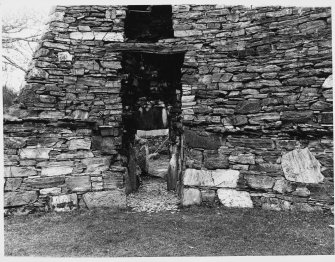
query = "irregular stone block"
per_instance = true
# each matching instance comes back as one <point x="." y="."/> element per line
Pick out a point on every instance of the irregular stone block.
<point x="106" y="199"/>
<point x="193" y="139"/>
<point x="37" y="73"/>
<point x="34" y="153"/>
<point x="283" y="186"/>
<point x="275" y="204"/>
<point x="80" y="143"/>
<point x="296" y="116"/>
<point x="97" y="164"/>
<point x="76" y="155"/>
<point x="108" y="145"/>
<point x="51" y="115"/>
<point x="248" y="107"/>
<point x="300" y="165"/>
<point x="18" y="171"/>
<point x="14" y="142"/>
<point x="234" y="198"/>
<point x="57" y="169"/>
<point x="243" y="158"/>
<point x="298" y="207"/>
<point x="326" y="118"/>
<point x="207" y="196"/>
<point x="51" y="191"/>
<point x="64" y="203"/>
<point x="328" y="83"/>
<point x="301" y="191"/>
<point x="113" y="180"/>
<point x="259" y="182"/>
<point x="255" y="143"/>
<point x="64" y="56"/>
<point x="11" y="184"/>
<point x="191" y="196"/>
<point x="216" y="162"/>
<point x="264" y="118"/>
<point x="215" y="178"/>
<point x="44" y="182"/>
<point x="12" y="199"/>
<point x="78" y="183"/>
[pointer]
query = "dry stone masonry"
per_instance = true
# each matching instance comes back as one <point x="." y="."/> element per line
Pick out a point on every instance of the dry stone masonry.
<point x="247" y="94"/>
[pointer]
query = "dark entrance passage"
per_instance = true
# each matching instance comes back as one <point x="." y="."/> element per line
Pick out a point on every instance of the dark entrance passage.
<point x="151" y="99"/>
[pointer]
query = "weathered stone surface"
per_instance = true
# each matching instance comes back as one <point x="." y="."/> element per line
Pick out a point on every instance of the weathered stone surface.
<point x="37" y="73"/>
<point x="275" y="204"/>
<point x="113" y="180"/>
<point x="328" y="83"/>
<point x="76" y="155"/>
<point x="207" y="196"/>
<point x="208" y="141"/>
<point x="242" y="158"/>
<point x="64" y="56"/>
<point x="51" y="191"/>
<point x="11" y="184"/>
<point x="14" y="142"/>
<point x="214" y="178"/>
<point x="234" y="198"/>
<point x="109" y="199"/>
<point x="57" y="169"/>
<point x="305" y="207"/>
<point x="251" y="143"/>
<point x="64" y="202"/>
<point x="51" y="114"/>
<point x="97" y="164"/>
<point x="34" y="153"/>
<point x="12" y="199"/>
<point x="216" y="162"/>
<point x="191" y="196"/>
<point x="301" y="191"/>
<point x="283" y="186"/>
<point x="248" y="107"/>
<point x="259" y="182"/>
<point x="301" y="166"/>
<point x="18" y="171"/>
<point x="44" y="182"/>
<point x="296" y="116"/>
<point x="78" y="183"/>
<point x="76" y="144"/>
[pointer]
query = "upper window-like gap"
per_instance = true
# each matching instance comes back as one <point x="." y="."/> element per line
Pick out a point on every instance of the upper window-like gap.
<point x="145" y="23"/>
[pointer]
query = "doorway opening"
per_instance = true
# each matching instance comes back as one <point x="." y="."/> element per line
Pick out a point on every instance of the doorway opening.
<point x="151" y="100"/>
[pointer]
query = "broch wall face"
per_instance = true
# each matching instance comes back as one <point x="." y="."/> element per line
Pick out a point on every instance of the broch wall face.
<point x="255" y="122"/>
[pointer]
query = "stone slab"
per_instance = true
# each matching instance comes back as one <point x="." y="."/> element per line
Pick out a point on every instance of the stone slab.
<point x="64" y="203"/>
<point x="12" y="199"/>
<point x="105" y="199"/>
<point x="234" y="198"/>
<point x="300" y="165"/>
<point x="191" y="196"/>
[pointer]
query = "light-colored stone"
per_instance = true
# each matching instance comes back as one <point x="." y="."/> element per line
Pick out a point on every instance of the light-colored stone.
<point x="328" y="83"/>
<point x="97" y="164"/>
<point x="110" y="199"/>
<point x="12" y="199"/>
<point x="11" y="184"/>
<point x="64" y="202"/>
<point x="51" y="115"/>
<point x="18" y="171"/>
<point x="113" y="37"/>
<point x="76" y="144"/>
<point x="243" y="159"/>
<point x="64" y="56"/>
<point x="78" y="183"/>
<point x="51" y="191"/>
<point x="215" y="178"/>
<point x="234" y="198"/>
<point x="191" y="196"/>
<point x="56" y="169"/>
<point x="300" y="165"/>
<point x="259" y="181"/>
<point x="301" y="191"/>
<point x="34" y="153"/>
<point x="282" y="186"/>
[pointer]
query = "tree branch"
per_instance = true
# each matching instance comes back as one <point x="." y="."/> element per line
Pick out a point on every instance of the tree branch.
<point x="12" y="63"/>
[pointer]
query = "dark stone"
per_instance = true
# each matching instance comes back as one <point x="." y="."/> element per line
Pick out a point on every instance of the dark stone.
<point x="254" y="143"/>
<point x="297" y="116"/>
<point x="326" y="118"/>
<point x="248" y="107"/>
<point x="216" y="162"/>
<point x="194" y="140"/>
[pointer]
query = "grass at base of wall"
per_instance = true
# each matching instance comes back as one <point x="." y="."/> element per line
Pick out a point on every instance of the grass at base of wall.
<point x="196" y="231"/>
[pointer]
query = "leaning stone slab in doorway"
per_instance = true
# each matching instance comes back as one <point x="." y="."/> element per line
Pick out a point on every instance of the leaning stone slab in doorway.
<point x="12" y="199"/>
<point x="110" y="199"/>
<point x="211" y="178"/>
<point x="300" y="165"/>
<point x="233" y="198"/>
<point x="191" y="196"/>
<point x="64" y="202"/>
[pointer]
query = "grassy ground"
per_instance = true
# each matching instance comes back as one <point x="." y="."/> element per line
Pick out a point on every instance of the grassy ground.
<point x="190" y="232"/>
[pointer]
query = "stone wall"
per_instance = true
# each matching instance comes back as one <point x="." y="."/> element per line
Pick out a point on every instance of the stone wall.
<point x="257" y="105"/>
<point x="256" y="109"/>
